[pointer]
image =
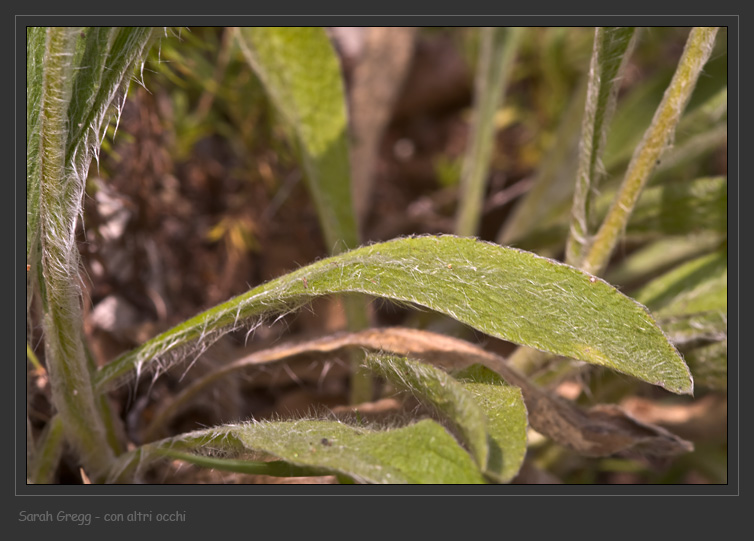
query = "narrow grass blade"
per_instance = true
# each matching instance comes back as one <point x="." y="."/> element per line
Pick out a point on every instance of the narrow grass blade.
<point x="300" y="71"/>
<point x="656" y="139"/>
<point x="699" y="285"/>
<point x="630" y="117"/>
<point x="48" y="453"/>
<point x="504" y="292"/>
<point x="612" y="47"/>
<point x="419" y="453"/>
<point x="660" y="255"/>
<point x="497" y="51"/>
<point x="553" y="183"/>
<point x="697" y="327"/>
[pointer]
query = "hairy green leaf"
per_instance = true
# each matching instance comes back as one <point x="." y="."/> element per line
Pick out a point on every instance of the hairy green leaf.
<point x="504" y="292"/>
<point x="423" y="452"/>
<point x="506" y="414"/>
<point x="441" y="392"/>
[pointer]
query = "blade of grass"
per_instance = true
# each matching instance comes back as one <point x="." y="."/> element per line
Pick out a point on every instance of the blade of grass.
<point x="612" y="47"/>
<point x="660" y="255"/>
<point x="497" y="52"/>
<point x="698" y="285"/>
<point x="33" y="359"/>
<point x="656" y="139"/>
<point x="553" y="179"/>
<point x="504" y="292"/>
<point x="672" y="208"/>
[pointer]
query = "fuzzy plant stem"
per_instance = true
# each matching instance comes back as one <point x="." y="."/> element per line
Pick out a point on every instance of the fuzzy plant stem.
<point x="657" y="139"/>
<point x="60" y="198"/>
<point x="612" y="47"/>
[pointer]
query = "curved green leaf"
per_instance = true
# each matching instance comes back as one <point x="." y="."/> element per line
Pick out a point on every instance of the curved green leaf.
<point x="440" y="391"/>
<point x="423" y="452"/>
<point x="504" y="292"/>
<point x="506" y="414"/>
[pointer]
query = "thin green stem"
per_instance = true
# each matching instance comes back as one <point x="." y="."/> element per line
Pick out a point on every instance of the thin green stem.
<point x="33" y="358"/>
<point x="657" y="139"/>
<point x="612" y="46"/>
<point x="498" y="49"/>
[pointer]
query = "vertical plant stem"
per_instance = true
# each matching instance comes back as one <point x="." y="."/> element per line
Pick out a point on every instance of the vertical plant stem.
<point x="33" y="358"/>
<point x="656" y="139"/>
<point x="60" y="197"/>
<point x="612" y="46"/>
<point x="497" y="50"/>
